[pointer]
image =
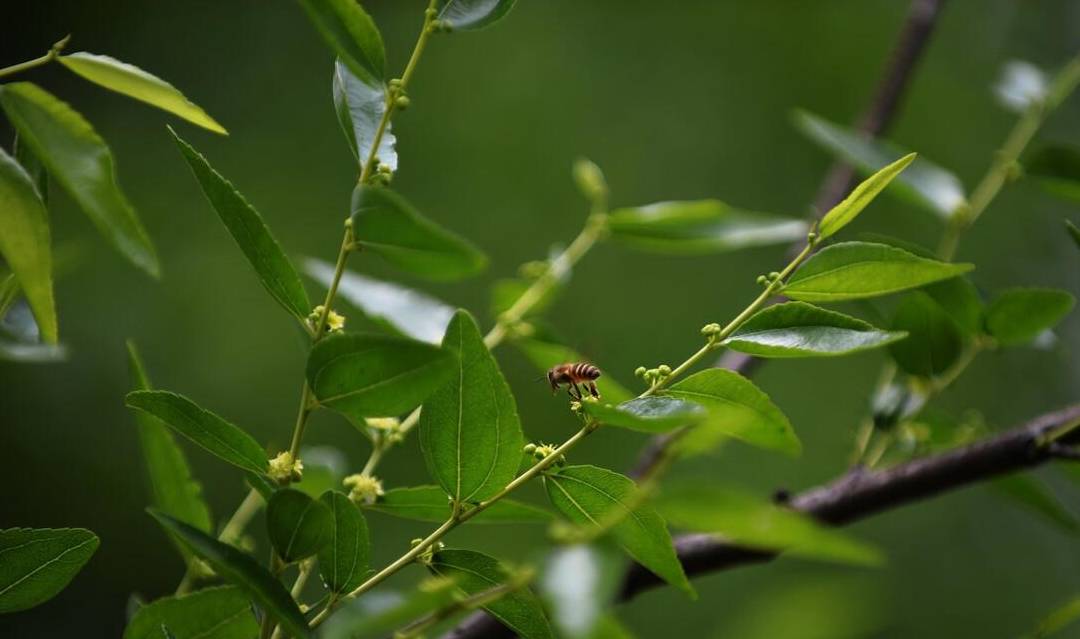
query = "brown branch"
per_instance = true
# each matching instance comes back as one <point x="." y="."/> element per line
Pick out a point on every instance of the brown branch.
<point x="856" y="495"/>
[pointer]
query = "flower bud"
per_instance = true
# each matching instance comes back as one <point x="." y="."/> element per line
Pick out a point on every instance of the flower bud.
<point x="639" y="371"/>
<point x="283" y="469"/>
<point x="711" y="329"/>
<point x="664" y="370"/>
<point x="365" y="489"/>
<point x="402" y="102"/>
<point x="590" y="179"/>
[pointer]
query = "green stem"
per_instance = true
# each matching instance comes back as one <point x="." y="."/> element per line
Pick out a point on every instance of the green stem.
<point x="53" y="53"/>
<point x="239" y="520"/>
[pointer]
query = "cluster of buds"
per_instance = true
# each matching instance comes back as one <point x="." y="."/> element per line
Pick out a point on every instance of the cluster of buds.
<point x="710" y="331"/>
<point x="542" y="451"/>
<point x="389" y="428"/>
<point x="653" y="376"/>
<point x="434" y="25"/>
<point x="428" y="554"/>
<point x="334" y="320"/>
<point x="382" y="174"/>
<point x="363" y="489"/>
<point x="768" y="280"/>
<point x="285" y="469"/>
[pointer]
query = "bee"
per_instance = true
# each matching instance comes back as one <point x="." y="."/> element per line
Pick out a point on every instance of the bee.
<point x="573" y="374"/>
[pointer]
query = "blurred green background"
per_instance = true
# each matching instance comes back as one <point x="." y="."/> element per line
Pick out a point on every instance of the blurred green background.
<point x="675" y="100"/>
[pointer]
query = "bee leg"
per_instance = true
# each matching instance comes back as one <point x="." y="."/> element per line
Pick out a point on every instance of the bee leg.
<point x="592" y="390"/>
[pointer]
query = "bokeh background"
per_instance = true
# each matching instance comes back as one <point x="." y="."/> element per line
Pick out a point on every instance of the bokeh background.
<point x="675" y="100"/>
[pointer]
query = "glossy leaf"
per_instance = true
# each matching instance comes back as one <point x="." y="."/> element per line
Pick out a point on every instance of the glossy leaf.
<point x="40" y="562"/>
<point x="173" y="489"/>
<point x="934" y="339"/>
<point x="849" y="208"/>
<point x="367" y="375"/>
<point x="242" y="570"/>
<point x="797" y="329"/>
<point x="647" y="414"/>
<point x="431" y="503"/>
<point x="403" y="310"/>
<point x="475" y="573"/>
<point x="298" y="525"/>
<point x="343" y="561"/>
<point x="360" y="106"/>
<point x="25" y="244"/>
<point x="580" y="583"/>
<point x="758" y="523"/>
<point x="466" y="15"/>
<point x="135" y="83"/>
<point x="1027" y="492"/>
<point x="81" y="163"/>
<point x="1019" y="315"/>
<point x="1056" y="169"/>
<point x="544" y="352"/>
<point x="206" y="429"/>
<point x="738" y="409"/>
<point x="212" y="613"/>
<point x="470" y="433"/>
<point x="854" y="270"/>
<point x="922" y="182"/>
<point x="388" y="225"/>
<point x="351" y="34"/>
<point x="699" y="227"/>
<point x="588" y="495"/>
<point x="246" y="226"/>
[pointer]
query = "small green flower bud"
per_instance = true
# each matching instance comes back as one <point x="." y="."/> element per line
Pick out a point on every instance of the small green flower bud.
<point x="710" y="329"/>
<point x="664" y="370"/>
<point x="529" y="449"/>
<point x="402" y="102"/>
<point x="811" y="237"/>
<point x="640" y="371"/>
<point x="590" y="179"/>
<point x="774" y="276"/>
<point x="762" y="280"/>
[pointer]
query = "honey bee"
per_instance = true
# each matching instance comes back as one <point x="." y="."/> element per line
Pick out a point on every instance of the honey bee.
<point x="573" y="374"/>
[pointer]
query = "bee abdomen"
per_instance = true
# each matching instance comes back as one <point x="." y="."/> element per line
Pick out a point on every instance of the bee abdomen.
<point x="585" y="371"/>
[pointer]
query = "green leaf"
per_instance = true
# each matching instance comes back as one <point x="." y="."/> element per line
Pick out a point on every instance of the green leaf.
<point x="400" y="309"/>
<point x="475" y="573"/>
<point x="360" y="621"/>
<point x="79" y="160"/>
<point x="360" y="106"/>
<point x="580" y="583"/>
<point x="934" y="339"/>
<point x="738" y="409"/>
<point x="365" y="375"/>
<point x="39" y="563"/>
<point x="242" y="570"/>
<point x="173" y="490"/>
<point x="212" y="613"/>
<point x="343" y="561"/>
<point x="24" y="242"/>
<point x="1018" y="315"/>
<point x="544" y="352"/>
<point x="431" y="503"/>
<point x="298" y="525"/>
<point x="1059" y="619"/>
<point x="32" y="353"/>
<point x="700" y="227"/>
<point x="815" y="606"/>
<point x="469" y="429"/>
<point x="1074" y="232"/>
<point x="206" y="429"/>
<point x="750" y="521"/>
<point x="324" y="469"/>
<point x="351" y="34"/>
<point x="923" y="182"/>
<point x="847" y="210"/>
<point x="250" y="232"/>
<point x="388" y="225"/>
<point x="1031" y="494"/>
<point x="647" y="414"/>
<point x="961" y="300"/>
<point x="797" y="329"/>
<point x="467" y="15"/>
<point x="854" y="270"/>
<point x="506" y="292"/>
<point x="135" y="83"/>
<point x="33" y="167"/>
<point x="597" y="496"/>
<point x="1057" y="170"/>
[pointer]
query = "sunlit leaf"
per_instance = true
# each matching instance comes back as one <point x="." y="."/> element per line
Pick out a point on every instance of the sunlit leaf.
<point x="647" y="414"/>
<point x="385" y="223"/>
<point x="31" y="163"/>
<point x="431" y="503"/>
<point x="922" y="182"/>
<point x="351" y="34"/>
<point x="1060" y="618"/>
<point x="135" y="83"/>
<point x="934" y="339"/>
<point x="81" y="163"/>
<point x="365" y="375"/>
<point x="475" y="573"/>
<point x="403" y="310"/>
<point x="25" y="244"/>
<point x="579" y="584"/>
<point x="212" y="613"/>
<point x="227" y="441"/>
<point x="853" y="270"/>
<point x="757" y="523"/>
<point x="698" y="227"/>
<point x="588" y="495"/>
<point x="797" y="329"/>
<point x="40" y="562"/>
<point x="849" y="208"/>
<point x="1019" y="315"/>
<point x="1029" y="493"/>
<point x="242" y="570"/>
<point x="298" y="525"/>
<point x="343" y="561"/>
<point x="360" y="106"/>
<point x="274" y="269"/>
<point x="739" y="409"/>
<point x="470" y="433"/>
<point x="466" y="15"/>
<point x="1021" y="84"/>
